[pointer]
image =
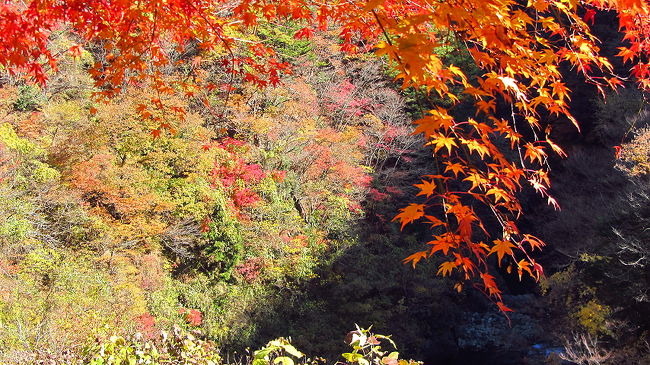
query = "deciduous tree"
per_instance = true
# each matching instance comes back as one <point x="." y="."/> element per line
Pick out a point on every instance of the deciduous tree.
<point x="484" y="162"/>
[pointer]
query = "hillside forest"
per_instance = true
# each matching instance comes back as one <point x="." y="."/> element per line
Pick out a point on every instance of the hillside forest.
<point x="256" y="182"/>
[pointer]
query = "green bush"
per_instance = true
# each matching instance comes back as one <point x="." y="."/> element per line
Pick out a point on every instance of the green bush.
<point x="179" y="347"/>
<point x="176" y="347"/>
<point x="282" y="40"/>
<point x="29" y="99"/>
<point x="225" y="243"/>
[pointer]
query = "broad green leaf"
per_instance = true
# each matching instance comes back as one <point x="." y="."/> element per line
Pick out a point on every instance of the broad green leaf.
<point x="292" y="350"/>
<point x="283" y="360"/>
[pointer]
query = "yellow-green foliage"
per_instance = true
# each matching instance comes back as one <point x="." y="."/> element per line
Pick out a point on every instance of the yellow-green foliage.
<point x="10" y="139"/>
<point x="634" y="154"/>
<point x="29" y="155"/>
<point x="26" y="173"/>
<point x="175" y="348"/>
<point x="15" y="227"/>
<point x="115" y="227"/>
<point x="56" y="301"/>
<point x="593" y="317"/>
<point x="181" y="347"/>
<point x="564" y="290"/>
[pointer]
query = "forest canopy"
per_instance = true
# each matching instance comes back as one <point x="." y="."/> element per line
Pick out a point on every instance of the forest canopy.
<point x="154" y="121"/>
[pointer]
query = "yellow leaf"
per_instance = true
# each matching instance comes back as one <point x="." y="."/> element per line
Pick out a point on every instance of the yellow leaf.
<point x="499" y="194"/>
<point x="475" y="146"/>
<point x="447" y="267"/>
<point x="442" y="141"/>
<point x="556" y="148"/>
<point x="476" y="179"/>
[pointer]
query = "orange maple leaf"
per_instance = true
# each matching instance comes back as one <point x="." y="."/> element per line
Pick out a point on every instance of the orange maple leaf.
<point x="503" y="308"/>
<point x="442" y="243"/>
<point x="409" y="214"/>
<point x="522" y="266"/>
<point x="534" y="153"/>
<point x="456" y="168"/>
<point x="433" y="221"/>
<point x="427" y="188"/>
<point x="490" y="284"/>
<point x="502" y="248"/>
<point x="533" y="241"/>
<point x="415" y="258"/>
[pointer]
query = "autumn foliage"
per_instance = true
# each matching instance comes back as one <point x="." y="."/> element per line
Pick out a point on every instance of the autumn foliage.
<point x="483" y="162"/>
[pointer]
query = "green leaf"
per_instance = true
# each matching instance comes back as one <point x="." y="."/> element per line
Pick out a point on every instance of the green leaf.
<point x="283" y="360"/>
<point x="292" y="350"/>
<point x="260" y="362"/>
<point x="263" y="353"/>
<point x="387" y="338"/>
<point x="352" y="356"/>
